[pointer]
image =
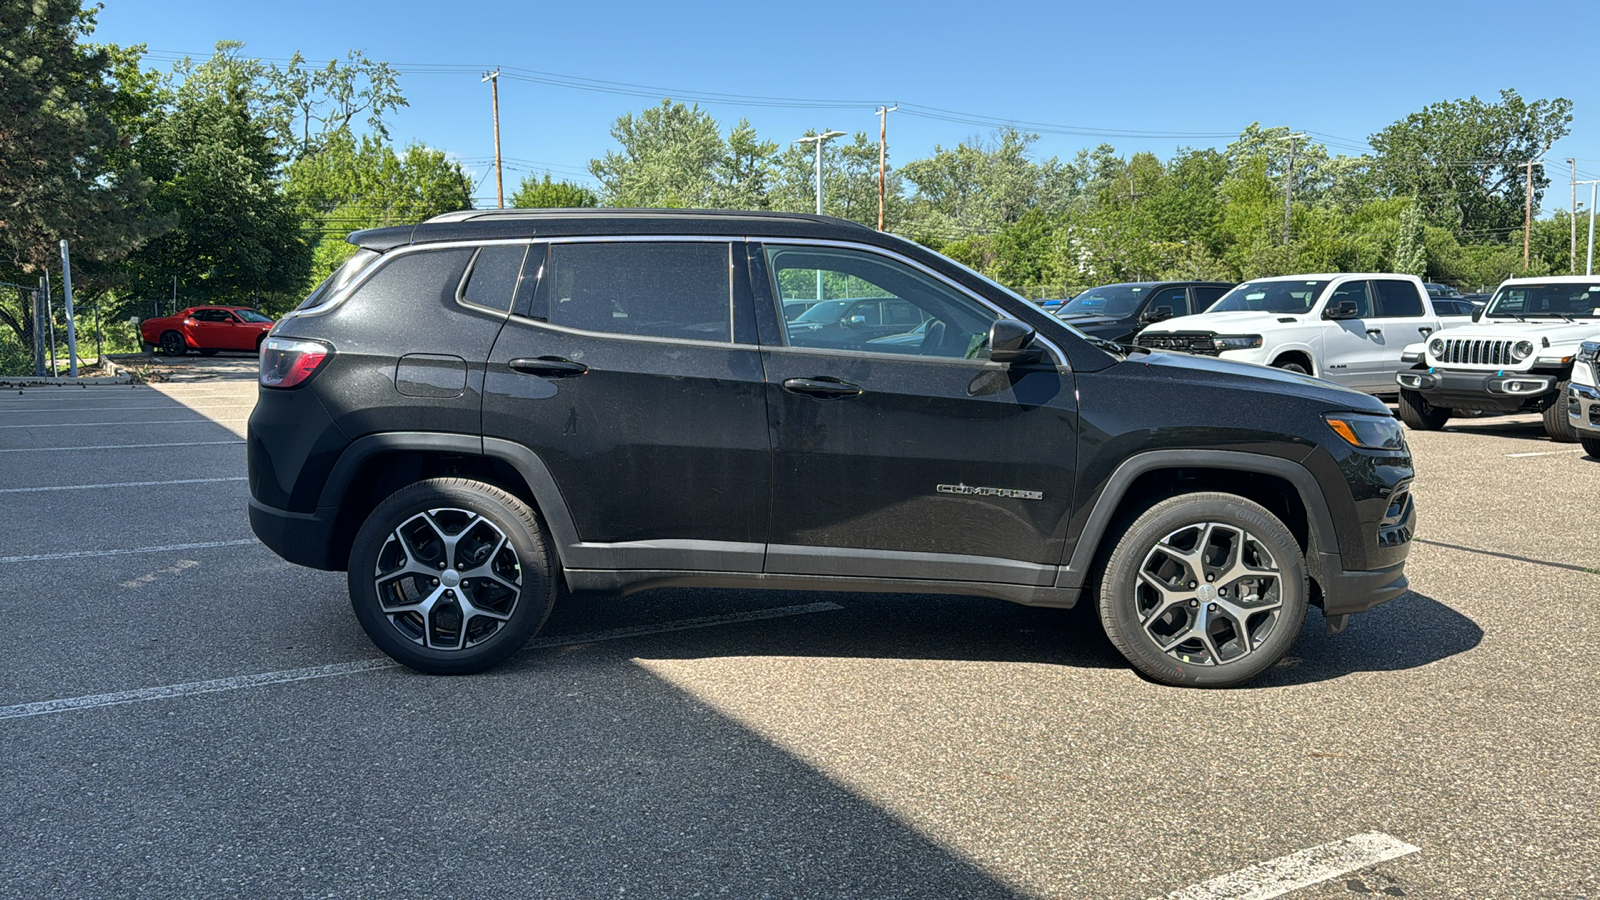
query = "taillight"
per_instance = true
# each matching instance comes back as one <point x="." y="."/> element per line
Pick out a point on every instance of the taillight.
<point x="287" y="363"/>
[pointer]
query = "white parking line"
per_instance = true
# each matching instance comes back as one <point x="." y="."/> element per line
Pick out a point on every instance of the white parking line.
<point x="1303" y="868"/>
<point x="116" y="446"/>
<point x="199" y="421"/>
<point x="86" y="554"/>
<point x="119" y="484"/>
<point x="1546" y="453"/>
<point x="238" y="682"/>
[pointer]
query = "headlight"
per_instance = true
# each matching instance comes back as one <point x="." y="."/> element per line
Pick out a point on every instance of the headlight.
<point x="1436" y="347"/>
<point x="1368" y="431"/>
<point x="1236" y="341"/>
<point x="1521" y="350"/>
<point x="1589" y="351"/>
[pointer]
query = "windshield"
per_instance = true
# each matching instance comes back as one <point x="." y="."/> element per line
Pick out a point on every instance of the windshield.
<point x="1116" y="300"/>
<point x="826" y="312"/>
<point x="1573" y="300"/>
<point x="1271" y="296"/>
<point x="250" y="315"/>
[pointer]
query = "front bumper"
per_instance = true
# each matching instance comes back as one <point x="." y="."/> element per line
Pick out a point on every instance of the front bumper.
<point x="1583" y="409"/>
<point x="1499" y="391"/>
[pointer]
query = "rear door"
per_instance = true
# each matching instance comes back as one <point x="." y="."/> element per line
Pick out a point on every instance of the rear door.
<point x="1401" y="318"/>
<point x="631" y="368"/>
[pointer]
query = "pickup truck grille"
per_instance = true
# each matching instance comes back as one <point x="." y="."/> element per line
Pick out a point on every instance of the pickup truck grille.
<point x="1475" y="352"/>
<point x="1181" y="341"/>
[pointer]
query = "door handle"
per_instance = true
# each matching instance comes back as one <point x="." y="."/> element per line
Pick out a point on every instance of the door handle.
<point x="548" y="367"/>
<point x="822" y="387"/>
<point x="1374" y="331"/>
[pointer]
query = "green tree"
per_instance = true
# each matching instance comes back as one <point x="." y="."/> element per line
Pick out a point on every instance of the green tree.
<point x="60" y="144"/>
<point x="1464" y="160"/>
<point x="1411" y="255"/>
<point x="548" y="194"/>
<point x="982" y="185"/>
<point x="670" y="157"/>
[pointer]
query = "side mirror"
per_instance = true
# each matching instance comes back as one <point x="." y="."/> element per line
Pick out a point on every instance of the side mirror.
<point x="1159" y="314"/>
<point x="1344" y="309"/>
<point x="856" y="321"/>
<point x="1477" y="314"/>
<point x="1011" y="341"/>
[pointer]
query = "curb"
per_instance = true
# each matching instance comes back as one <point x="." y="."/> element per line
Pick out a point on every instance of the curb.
<point x="118" y="375"/>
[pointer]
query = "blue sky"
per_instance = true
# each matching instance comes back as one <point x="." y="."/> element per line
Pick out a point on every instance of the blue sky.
<point x="1182" y="72"/>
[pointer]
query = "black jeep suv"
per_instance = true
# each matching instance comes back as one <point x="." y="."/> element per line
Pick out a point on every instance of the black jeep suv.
<point x="480" y="411"/>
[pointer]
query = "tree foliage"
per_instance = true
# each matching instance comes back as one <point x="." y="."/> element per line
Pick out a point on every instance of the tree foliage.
<point x="549" y="194"/>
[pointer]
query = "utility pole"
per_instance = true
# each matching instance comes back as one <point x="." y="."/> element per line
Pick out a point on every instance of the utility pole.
<point x="883" y="153"/>
<point x="39" y="329"/>
<point x="1527" y="218"/>
<point x="1572" y="219"/>
<point x="1588" y="268"/>
<point x="494" y="93"/>
<point x="72" y="326"/>
<point x="1288" y="191"/>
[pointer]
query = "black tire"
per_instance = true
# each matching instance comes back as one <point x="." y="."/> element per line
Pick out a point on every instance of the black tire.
<point x="412" y="531"/>
<point x="1291" y="366"/>
<point x="1418" y="413"/>
<point x="172" y="344"/>
<point x="1131" y="607"/>
<point x="1556" y="422"/>
<point x="1591" y="446"/>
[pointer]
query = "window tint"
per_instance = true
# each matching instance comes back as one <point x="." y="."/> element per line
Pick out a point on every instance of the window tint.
<point x="1397" y="299"/>
<point x="1353" y="291"/>
<point x="492" y="279"/>
<point x="673" y="290"/>
<point x="1175" y="299"/>
<point x="427" y="276"/>
<point x="873" y="304"/>
<point x="1205" y="296"/>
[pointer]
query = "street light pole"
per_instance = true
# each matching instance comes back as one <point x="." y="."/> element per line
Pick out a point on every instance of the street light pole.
<point x="1588" y="268"/>
<point x="819" y="140"/>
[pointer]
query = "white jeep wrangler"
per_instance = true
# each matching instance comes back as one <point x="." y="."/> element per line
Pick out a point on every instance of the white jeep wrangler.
<point x="1346" y="328"/>
<point x="1583" y="396"/>
<point x="1516" y="356"/>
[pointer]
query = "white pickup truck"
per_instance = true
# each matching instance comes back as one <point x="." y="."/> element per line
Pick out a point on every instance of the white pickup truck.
<point x="1346" y="328"/>
<point x="1515" y="356"/>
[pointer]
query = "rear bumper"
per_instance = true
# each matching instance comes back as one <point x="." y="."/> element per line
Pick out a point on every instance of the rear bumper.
<point x="305" y="539"/>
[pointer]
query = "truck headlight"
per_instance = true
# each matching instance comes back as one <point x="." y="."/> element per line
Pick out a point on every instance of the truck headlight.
<point x="1236" y="341"/>
<point x="1521" y="350"/>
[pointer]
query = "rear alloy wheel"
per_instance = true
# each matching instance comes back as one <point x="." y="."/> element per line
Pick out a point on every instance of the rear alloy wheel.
<point x="1556" y="422"/>
<point x="1204" y="590"/>
<point x="172" y="344"/>
<point x="451" y="576"/>
<point x="1418" y="413"/>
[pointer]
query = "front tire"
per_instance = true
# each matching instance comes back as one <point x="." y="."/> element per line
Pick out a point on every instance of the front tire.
<point x="1591" y="446"/>
<point x="451" y="576"/>
<point x="1204" y="590"/>
<point x="1556" y="422"/>
<point x="1418" y="413"/>
<point x="1292" y="366"/>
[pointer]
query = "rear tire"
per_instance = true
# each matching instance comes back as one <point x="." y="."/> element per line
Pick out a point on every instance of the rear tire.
<point x="1418" y="413"/>
<point x="1291" y="366"/>
<point x="451" y="576"/>
<point x="172" y="344"/>
<point x="1556" y="422"/>
<point x="1204" y="590"/>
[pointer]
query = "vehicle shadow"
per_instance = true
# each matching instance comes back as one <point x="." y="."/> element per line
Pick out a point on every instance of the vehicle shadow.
<point x="1410" y="631"/>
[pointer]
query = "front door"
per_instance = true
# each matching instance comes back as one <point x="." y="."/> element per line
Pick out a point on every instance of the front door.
<point x="910" y="455"/>
<point x="631" y="368"/>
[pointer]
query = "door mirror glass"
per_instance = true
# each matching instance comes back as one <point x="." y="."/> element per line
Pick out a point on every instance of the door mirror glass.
<point x="1158" y="314"/>
<point x="1011" y="341"/>
<point x="856" y="321"/>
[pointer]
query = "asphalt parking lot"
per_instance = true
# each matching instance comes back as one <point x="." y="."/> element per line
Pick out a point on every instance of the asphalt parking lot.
<point x="185" y="715"/>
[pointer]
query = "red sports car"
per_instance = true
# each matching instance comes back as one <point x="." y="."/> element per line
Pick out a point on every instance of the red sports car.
<point x="207" y="329"/>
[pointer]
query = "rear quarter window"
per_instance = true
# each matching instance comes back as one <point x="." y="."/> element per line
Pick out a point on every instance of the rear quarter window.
<point x="423" y="276"/>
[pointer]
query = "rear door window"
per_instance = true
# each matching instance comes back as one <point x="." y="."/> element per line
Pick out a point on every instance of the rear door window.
<point x="491" y="279"/>
<point x="1397" y="299"/>
<point x="667" y="289"/>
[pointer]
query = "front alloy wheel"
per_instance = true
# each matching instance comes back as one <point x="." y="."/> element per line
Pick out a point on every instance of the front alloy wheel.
<point x="1204" y="590"/>
<point x="451" y="576"/>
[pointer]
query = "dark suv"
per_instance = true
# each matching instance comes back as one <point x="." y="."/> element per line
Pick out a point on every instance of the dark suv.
<point x="1117" y="312"/>
<point x="482" y="410"/>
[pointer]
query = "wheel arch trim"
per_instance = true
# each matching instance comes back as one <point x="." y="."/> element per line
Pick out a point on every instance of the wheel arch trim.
<point x="1323" y="537"/>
